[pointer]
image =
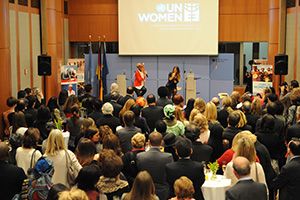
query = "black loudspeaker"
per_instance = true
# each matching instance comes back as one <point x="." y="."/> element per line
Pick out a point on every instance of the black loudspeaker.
<point x="281" y="64"/>
<point x="44" y="65"/>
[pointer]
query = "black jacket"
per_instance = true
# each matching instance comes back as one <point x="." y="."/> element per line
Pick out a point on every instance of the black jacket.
<point x="152" y="114"/>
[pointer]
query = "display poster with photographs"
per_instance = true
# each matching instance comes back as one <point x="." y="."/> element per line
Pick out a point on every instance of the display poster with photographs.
<point x="69" y="79"/>
<point x="262" y="76"/>
<point x="80" y="63"/>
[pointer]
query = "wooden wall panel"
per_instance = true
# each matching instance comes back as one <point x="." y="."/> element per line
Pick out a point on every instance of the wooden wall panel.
<point x="298" y="46"/>
<point x="13" y="53"/>
<point x="290" y="44"/>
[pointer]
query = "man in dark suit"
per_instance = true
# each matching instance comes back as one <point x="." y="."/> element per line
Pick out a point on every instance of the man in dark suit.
<point x="163" y="99"/>
<point x="294" y="130"/>
<point x="245" y="188"/>
<point x="251" y="118"/>
<point x="288" y="181"/>
<point x="154" y="161"/>
<point x="128" y="96"/>
<point x="125" y="134"/>
<point x="231" y="130"/>
<point x="185" y="167"/>
<point x="11" y="176"/>
<point x="152" y="113"/>
<point x="108" y="118"/>
<point x="117" y="107"/>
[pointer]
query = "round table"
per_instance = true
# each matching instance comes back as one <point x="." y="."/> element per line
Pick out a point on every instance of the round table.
<point x="215" y="189"/>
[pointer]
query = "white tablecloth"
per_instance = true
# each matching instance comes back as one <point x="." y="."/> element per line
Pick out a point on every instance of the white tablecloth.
<point x="215" y="189"/>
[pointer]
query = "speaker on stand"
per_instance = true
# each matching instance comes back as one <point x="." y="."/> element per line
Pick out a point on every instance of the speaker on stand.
<point x="281" y="65"/>
<point x="44" y="69"/>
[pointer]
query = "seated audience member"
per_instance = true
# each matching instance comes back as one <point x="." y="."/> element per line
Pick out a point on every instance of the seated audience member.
<point x="128" y="104"/>
<point x="231" y="130"/>
<point x="295" y="102"/>
<point x="87" y="92"/>
<point x="27" y="155"/>
<point x="7" y="115"/>
<point x="117" y="107"/>
<point x="30" y="112"/>
<point x="70" y="102"/>
<point x="109" y="182"/>
<point x="250" y="117"/>
<point x="141" y="101"/>
<point x="130" y="171"/>
<point x="129" y="95"/>
<point x="108" y="118"/>
<point x="43" y="119"/>
<point x="11" y="176"/>
<point x="185" y="167"/>
<point x="153" y="161"/>
<point x="55" y="190"/>
<point x="235" y="97"/>
<point x="178" y="100"/>
<point x="189" y="107"/>
<point x="184" y="189"/>
<point x="216" y="101"/>
<point x="96" y="113"/>
<point x="140" y="121"/>
<point x="201" y="123"/>
<point x="143" y="188"/>
<point x="85" y="152"/>
<point x="246" y="149"/>
<point x="125" y="134"/>
<point x="152" y="113"/>
<point x="73" y="194"/>
<point x="225" y="111"/>
<point x="256" y="107"/>
<point x="86" y="180"/>
<point x="169" y="145"/>
<point x="180" y="116"/>
<point x="288" y="181"/>
<point x="285" y="93"/>
<point x="163" y="99"/>
<point x="21" y="94"/>
<point x="93" y="134"/>
<point x="173" y="125"/>
<point x="19" y="123"/>
<point x="216" y="130"/>
<point x="112" y="142"/>
<point x="294" y="130"/>
<point x="199" y="107"/>
<point x="245" y="188"/>
<point x="73" y="125"/>
<point x="114" y="88"/>
<point x="242" y="125"/>
<point x="161" y="127"/>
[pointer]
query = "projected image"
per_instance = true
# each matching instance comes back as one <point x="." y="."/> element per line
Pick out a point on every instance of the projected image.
<point x="178" y="27"/>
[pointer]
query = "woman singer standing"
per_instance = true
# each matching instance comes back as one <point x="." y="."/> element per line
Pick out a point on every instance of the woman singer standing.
<point x="174" y="78"/>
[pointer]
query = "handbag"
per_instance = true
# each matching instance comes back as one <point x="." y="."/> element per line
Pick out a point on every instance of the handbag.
<point x="71" y="171"/>
<point x="30" y="169"/>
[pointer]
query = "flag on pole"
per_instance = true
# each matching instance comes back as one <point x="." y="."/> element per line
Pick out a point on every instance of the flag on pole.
<point x="87" y="69"/>
<point x="98" y="71"/>
<point x="104" y="70"/>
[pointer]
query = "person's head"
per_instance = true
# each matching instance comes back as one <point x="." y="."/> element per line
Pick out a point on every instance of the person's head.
<point x="267" y="123"/>
<point x="138" y="141"/>
<point x="151" y="99"/>
<point x="162" y="91"/>
<point x="294" y="84"/>
<point x="114" y="87"/>
<point x="184" y="147"/>
<point x="31" y="99"/>
<point x="169" y="111"/>
<point x="43" y="114"/>
<point x="86" y="123"/>
<point x="241" y="167"/>
<point x="93" y="134"/>
<point x="246" y="149"/>
<point x="176" y="69"/>
<point x="128" y="118"/>
<point x="160" y="126"/>
<point x="201" y="122"/>
<point x="130" y="90"/>
<point x="272" y="97"/>
<point x="18" y="121"/>
<point x="246" y="97"/>
<point x="28" y="91"/>
<point x="272" y="108"/>
<point x="246" y="107"/>
<point x="88" y="176"/>
<point x="55" y="142"/>
<point x="295" y="96"/>
<point x="142" y="188"/>
<point x="21" y="105"/>
<point x="256" y="107"/>
<point x="52" y="103"/>
<point x="73" y="194"/>
<point x="226" y="101"/>
<point x="200" y="105"/>
<point x="71" y="100"/>
<point x="141" y="101"/>
<point x="233" y="119"/>
<point x="294" y="147"/>
<point x="107" y="109"/>
<point x="155" y="139"/>
<point x="104" y="131"/>
<point x="62" y="97"/>
<point x="21" y="94"/>
<point x="11" y="102"/>
<point x="136" y="109"/>
<point x="179" y="114"/>
<point x="112" y="142"/>
<point x="216" y="101"/>
<point x="88" y="88"/>
<point x="211" y="112"/>
<point x="178" y="100"/>
<point x="111" y="164"/>
<point x="280" y="108"/>
<point x="4" y="149"/>
<point x="169" y="140"/>
<point x="242" y="134"/>
<point x="183" y="188"/>
<point x="85" y="151"/>
<point x="243" y="120"/>
<point x="30" y="138"/>
<point x="55" y="190"/>
<point x="75" y="111"/>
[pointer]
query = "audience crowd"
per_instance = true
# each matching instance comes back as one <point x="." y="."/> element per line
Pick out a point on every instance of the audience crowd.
<point x="132" y="148"/>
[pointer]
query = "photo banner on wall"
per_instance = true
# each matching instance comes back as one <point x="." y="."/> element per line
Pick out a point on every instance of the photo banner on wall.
<point x="69" y="79"/>
<point x="262" y="76"/>
<point x="80" y="63"/>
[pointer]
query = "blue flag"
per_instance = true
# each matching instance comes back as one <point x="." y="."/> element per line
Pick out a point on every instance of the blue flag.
<point x="89" y="66"/>
<point x="104" y="70"/>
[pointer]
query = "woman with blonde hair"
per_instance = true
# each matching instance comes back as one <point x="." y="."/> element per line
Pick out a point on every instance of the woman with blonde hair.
<point x="143" y="188"/>
<point x="256" y="107"/>
<point x="199" y="106"/>
<point x="62" y="158"/>
<point x="242" y="125"/>
<point x="201" y="122"/>
<point x="73" y="194"/>
<point x="216" y="130"/>
<point x="180" y="116"/>
<point x="246" y="149"/>
<point x="184" y="189"/>
<point x="225" y="111"/>
<point x="128" y="104"/>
